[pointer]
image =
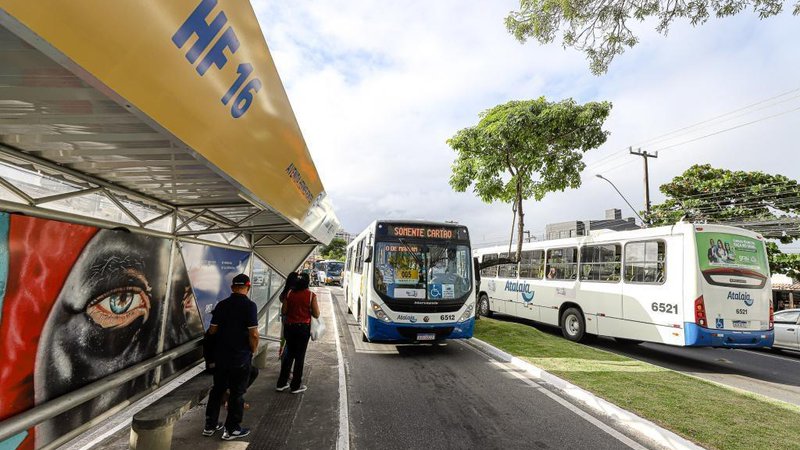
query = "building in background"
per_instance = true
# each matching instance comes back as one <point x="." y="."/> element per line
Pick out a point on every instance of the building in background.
<point x="612" y="221"/>
<point x="785" y="292"/>
<point x="348" y="237"/>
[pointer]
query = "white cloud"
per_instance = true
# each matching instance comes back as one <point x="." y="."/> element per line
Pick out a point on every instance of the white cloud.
<point x="378" y="87"/>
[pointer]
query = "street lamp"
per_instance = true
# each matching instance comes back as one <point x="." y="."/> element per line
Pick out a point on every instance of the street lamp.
<point x="623" y="197"/>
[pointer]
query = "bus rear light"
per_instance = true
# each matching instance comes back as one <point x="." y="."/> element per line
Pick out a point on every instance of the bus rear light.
<point x="700" y="312"/>
<point x="771" y="316"/>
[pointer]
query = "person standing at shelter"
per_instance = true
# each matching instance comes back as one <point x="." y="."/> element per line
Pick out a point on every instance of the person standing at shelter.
<point x="234" y="322"/>
<point x="298" y="308"/>
<point x="291" y="281"/>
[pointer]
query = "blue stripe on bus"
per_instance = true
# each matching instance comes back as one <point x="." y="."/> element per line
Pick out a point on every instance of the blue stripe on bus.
<point x="382" y="331"/>
<point x="697" y="336"/>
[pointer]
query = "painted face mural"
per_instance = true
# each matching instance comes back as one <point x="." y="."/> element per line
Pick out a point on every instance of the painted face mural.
<point x="78" y="304"/>
<point x="107" y="317"/>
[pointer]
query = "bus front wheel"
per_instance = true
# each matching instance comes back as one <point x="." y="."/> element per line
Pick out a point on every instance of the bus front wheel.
<point x="483" y="306"/>
<point x="573" y="327"/>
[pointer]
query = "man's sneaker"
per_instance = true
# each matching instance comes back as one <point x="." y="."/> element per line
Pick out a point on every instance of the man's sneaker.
<point x="209" y="431"/>
<point x="300" y="389"/>
<point x="235" y="434"/>
<point x="282" y="388"/>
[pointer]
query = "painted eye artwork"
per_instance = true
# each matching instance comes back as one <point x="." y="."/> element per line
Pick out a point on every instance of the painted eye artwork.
<point x="119" y="307"/>
<point x="106" y="318"/>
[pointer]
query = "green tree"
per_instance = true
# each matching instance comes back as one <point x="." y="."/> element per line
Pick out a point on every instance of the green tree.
<point x="524" y="149"/>
<point x="334" y="250"/>
<point x="765" y="203"/>
<point x="785" y="263"/>
<point x="601" y="29"/>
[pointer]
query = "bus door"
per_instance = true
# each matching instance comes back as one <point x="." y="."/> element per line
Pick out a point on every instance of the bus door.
<point x="506" y="289"/>
<point x="531" y="267"/>
<point x="561" y="282"/>
<point x="652" y="290"/>
<point x="734" y="275"/>
<point x="600" y="286"/>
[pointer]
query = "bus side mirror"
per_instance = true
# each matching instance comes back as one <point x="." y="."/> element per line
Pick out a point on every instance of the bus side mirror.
<point x="368" y="256"/>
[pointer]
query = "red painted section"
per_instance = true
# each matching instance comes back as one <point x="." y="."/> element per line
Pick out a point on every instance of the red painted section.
<point x="41" y="255"/>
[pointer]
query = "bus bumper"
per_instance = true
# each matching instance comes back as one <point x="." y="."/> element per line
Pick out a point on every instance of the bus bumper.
<point x="382" y="331"/>
<point x="697" y="336"/>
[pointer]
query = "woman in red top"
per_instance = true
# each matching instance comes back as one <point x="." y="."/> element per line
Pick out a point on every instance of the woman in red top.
<point x="291" y="280"/>
<point x="298" y="308"/>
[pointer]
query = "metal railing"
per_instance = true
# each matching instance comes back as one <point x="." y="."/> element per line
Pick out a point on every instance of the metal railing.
<point x="50" y="409"/>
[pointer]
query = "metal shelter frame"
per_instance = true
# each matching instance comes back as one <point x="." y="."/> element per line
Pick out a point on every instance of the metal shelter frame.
<point x="59" y="124"/>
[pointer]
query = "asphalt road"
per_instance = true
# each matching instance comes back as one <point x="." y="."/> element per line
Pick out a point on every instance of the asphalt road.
<point x="773" y="374"/>
<point x="453" y="396"/>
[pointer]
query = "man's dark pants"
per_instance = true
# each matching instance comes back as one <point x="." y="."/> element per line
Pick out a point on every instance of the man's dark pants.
<point x="236" y="380"/>
<point x="297" y="336"/>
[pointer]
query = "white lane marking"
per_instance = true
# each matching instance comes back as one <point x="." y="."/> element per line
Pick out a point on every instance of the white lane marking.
<point x="343" y="440"/>
<point x="646" y="430"/>
<point x="583" y="414"/>
<point x="782" y="358"/>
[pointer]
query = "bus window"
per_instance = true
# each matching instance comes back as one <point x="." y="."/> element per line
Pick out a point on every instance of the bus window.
<point x="489" y="271"/>
<point x="532" y="264"/>
<point x="601" y="262"/>
<point x="645" y="262"/>
<point x="562" y="263"/>
<point x="507" y="270"/>
<point x="359" y="249"/>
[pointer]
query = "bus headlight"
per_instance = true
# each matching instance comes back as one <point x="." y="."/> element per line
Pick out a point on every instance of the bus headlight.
<point x="379" y="312"/>
<point x="467" y="313"/>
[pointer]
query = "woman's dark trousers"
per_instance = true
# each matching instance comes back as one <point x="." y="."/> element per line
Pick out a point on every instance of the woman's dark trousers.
<point x="297" y="336"/>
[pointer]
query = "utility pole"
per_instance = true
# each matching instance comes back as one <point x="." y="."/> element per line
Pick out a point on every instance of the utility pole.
<point x="644" y="156"/>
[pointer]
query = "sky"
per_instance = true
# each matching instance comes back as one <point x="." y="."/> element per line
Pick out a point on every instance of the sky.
<point x="379" y="87"/>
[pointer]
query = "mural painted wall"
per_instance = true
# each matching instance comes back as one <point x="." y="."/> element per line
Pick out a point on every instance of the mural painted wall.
<point x="79" y="303"/>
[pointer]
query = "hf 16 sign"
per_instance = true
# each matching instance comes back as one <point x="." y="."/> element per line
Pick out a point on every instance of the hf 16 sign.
<point x="207" y="32"/>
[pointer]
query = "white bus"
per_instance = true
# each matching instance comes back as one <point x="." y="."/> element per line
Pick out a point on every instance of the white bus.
<point x="683" y="285"/>
<point x="329" y="272"/>
<point x="411" y="281"/>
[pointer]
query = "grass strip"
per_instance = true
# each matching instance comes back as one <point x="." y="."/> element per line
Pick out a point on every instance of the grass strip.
<point x="711" y="415"/>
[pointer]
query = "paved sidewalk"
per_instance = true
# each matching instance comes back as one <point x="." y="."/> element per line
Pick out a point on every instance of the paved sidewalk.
<point x="277" y="419"/>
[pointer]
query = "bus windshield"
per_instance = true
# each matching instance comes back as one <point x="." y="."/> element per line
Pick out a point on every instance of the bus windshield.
<point x="424" y="272"/>
<point x="732" y="260"/>
<point x="334" y="268"/>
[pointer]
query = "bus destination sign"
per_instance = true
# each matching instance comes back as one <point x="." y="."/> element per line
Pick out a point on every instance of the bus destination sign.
<point x="424" y="232"/>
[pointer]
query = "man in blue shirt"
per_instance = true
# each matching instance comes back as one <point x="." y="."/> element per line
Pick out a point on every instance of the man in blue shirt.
<point x="235" y="325"/>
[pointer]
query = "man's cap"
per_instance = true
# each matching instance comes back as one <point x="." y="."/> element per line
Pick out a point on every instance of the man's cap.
<point x="241" y="280"/>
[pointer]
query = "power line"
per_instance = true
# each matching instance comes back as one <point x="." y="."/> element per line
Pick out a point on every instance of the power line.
<point x="713" y="119"/>
<point x="731" y="128"/>
<point x="608" y="158"/>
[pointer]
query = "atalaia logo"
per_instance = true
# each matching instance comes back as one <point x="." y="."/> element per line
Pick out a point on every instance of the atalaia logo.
<point x="521" y="287"/>
<point x="743" y="296"/>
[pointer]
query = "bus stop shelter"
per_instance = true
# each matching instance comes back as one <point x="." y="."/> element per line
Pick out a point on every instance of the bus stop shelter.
<point x="165" y="122"/>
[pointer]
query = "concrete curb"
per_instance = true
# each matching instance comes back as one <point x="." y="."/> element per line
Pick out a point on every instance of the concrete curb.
<point x="643" y="429"/>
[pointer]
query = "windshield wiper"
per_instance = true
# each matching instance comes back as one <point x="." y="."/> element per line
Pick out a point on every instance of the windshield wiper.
<point x="416" y="258"/>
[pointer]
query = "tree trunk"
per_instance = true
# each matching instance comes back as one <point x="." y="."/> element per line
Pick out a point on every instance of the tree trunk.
<point x="521" y="225"/>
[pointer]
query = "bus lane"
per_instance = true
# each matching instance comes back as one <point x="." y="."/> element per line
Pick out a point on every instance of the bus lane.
<point x="449" y="395"/>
